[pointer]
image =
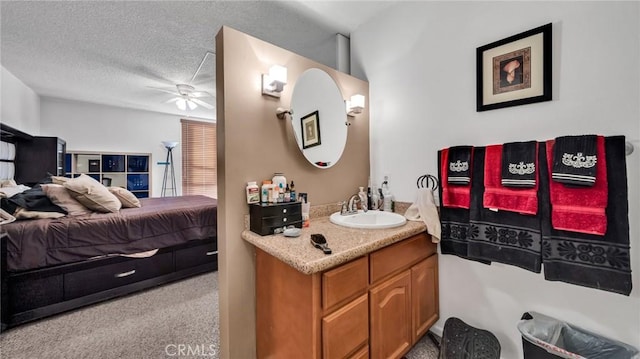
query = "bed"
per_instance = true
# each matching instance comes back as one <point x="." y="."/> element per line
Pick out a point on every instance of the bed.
<point x="48" y="266"/>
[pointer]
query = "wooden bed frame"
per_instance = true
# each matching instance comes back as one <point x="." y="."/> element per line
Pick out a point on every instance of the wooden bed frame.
<point x="29" y="295"/>
<point x="34" y="294"/>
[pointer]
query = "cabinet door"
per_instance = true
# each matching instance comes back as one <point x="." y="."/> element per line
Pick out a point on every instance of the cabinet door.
<point x="424" y="296"/>
<point x="390" y="309"/>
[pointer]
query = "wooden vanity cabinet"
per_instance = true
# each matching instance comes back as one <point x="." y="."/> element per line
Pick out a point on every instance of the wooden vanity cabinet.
<point x="375" y="306"/>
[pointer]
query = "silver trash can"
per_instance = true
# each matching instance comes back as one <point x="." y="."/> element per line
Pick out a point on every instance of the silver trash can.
<point x="544" y="337"/>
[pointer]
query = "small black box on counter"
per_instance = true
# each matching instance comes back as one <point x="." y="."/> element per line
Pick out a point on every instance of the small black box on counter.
<point x="264" y="218"/>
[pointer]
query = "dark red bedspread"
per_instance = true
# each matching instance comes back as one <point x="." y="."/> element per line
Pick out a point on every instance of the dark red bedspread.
<point x="159" y="223"/>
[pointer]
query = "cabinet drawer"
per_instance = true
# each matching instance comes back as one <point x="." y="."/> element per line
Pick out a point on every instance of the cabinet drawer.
<point x="346" y="330"/>
<point x="88" y="281"/>
<point x="400" y="255"/>
<point x="361" y="354"/>
<point x="195" y="256"/>
<point x="275" y="222"/>
<point x="344" y="282"/>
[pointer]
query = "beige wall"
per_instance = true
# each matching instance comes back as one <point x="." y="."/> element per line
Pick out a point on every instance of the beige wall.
<point x="252" y="145"/>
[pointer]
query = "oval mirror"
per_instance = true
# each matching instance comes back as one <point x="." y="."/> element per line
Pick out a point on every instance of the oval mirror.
<point x="319" y="118"/>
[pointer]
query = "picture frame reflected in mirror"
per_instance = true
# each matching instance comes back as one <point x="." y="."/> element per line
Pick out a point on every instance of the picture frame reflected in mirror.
<point x="310" y="130"/>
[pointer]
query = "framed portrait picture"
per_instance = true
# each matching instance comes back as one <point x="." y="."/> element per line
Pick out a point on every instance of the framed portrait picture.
<point x="515" y="70"/>
<point x="311" y="130"/>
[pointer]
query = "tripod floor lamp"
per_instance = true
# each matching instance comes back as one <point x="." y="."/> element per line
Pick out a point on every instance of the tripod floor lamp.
<point x="169" y="180"/>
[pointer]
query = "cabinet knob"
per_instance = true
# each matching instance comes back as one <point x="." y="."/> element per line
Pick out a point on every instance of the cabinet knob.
<point x="284" y="219"/>
<point x="284" y="210"/>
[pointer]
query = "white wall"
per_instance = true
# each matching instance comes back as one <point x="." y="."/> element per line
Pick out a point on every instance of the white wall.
<point x="19" y="104"/>
<point x="419" y="59"/>
<point x="92" y="127"/>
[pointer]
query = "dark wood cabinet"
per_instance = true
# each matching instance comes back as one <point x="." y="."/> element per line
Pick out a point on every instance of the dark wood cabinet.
<point x="378" y="305"/>
<point x="38" y="157"/>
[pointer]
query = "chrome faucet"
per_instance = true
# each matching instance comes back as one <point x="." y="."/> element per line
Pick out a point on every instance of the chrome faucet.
<point x="351" y="206"/>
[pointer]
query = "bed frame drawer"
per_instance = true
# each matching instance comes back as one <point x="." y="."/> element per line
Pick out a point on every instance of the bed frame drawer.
<point x="81" y="283"/>
<point x="34" y="292"/>
<point x="194" y="256"/>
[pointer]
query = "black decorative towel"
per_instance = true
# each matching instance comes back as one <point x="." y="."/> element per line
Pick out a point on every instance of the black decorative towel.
<point x="501" y="236"/>
<point x="454" y="224"/>
<point x="574" y="160"/>
<point x="519" y="164"/>
<point x="601" y="262"/>
<point x="459" y="169"/>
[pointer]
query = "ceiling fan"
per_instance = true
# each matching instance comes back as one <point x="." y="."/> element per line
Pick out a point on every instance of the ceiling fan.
<point x="186" y="95"/>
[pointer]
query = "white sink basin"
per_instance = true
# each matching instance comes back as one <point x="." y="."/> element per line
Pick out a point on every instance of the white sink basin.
<point x="368" y="220"/>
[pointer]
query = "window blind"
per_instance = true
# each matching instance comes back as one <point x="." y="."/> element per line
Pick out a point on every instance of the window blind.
<point x="199" y="169"/>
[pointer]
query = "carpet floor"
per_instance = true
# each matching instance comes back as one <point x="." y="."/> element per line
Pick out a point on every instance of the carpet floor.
<point x="149" y="324"/>
<point x="174" y="320"/>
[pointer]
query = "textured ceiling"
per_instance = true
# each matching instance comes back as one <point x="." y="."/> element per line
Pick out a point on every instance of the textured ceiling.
<point x="112" y="52"/>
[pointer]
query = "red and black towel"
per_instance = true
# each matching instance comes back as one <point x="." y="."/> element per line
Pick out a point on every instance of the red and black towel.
<point x="519" y="164"/>
<point x="575" y="160"/>
<point x="458" y="193"/>
<point x="579" y="208"/>
<point x="496" y="196"/>
<point x="590" y="260"/>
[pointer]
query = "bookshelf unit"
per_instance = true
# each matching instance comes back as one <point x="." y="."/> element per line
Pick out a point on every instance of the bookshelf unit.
<point x="117" y="169"/>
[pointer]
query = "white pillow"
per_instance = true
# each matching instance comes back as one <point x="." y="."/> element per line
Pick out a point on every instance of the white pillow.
<point x="92" y="194"/>
<point x="128" y="199"/>
<point x="61" y="197"/>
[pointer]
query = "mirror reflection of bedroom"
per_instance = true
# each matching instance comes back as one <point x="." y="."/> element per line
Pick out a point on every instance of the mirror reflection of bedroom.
<point x="109" y="174"/>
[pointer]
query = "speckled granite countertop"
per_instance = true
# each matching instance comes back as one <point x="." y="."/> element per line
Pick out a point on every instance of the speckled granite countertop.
<point x="346" y="243"/>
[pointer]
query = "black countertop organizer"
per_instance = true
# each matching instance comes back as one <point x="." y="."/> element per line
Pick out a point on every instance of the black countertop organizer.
<point x="265" y="218"/>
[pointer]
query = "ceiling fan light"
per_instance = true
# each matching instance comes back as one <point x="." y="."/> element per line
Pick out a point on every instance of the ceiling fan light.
<point x="192" y="105"/>
<point x="182" y="104"/>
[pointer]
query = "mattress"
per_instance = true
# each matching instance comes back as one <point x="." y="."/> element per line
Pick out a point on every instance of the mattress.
<point x="159" y="223"/>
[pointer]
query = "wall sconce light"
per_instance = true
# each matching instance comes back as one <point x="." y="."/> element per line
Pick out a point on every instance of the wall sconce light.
<point x="355" y="105"/>
<point x="273" y="82"/>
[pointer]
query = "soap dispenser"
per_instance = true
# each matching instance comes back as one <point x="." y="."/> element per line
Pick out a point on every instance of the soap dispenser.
<point x="364" y="204"/>
<point x="387" y="204"/>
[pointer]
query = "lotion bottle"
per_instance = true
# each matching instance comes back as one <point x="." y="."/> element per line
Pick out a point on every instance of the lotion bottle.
<point x="387" y="204"/>
<point x="364" y="204"/>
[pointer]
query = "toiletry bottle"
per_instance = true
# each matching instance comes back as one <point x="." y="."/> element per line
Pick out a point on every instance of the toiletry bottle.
<point x="264" y="191"/>
<point x="369" y="198"/>
<point x="274" y="194"/>
<point x="287" y="194"/>
<point x="388" y="197"/>
<point x="380" y="200"/>
<point x="293" y="192"/>
<point x="278" y="178"/>
<point x="375" y="199"/>
<point x="253" y="193"/>
<point x="305" y="206"/>
<point x="363" y="199"/>
<point x="280" y="193"/>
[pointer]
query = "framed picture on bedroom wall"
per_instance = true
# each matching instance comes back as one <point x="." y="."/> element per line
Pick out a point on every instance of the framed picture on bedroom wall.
<point x="515" y="70"/>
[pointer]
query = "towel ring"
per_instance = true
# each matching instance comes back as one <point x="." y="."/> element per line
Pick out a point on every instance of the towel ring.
<point x="427" y="181"/>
